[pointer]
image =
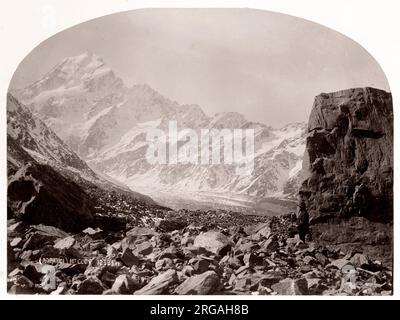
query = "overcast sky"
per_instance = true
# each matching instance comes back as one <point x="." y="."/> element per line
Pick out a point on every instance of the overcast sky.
<point x="267" y="66"/>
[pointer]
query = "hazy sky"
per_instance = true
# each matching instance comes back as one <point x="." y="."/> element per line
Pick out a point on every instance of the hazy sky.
<point x="267" y="66"/>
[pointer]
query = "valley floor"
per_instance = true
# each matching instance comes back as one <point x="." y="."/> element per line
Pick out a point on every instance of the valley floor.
<point x="192" y="252"/>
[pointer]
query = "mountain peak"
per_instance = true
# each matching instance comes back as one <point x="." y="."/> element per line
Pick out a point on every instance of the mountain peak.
<point x="228" y="120"/>
<point x="86" y="70"/>
<point x="86" y="59"/>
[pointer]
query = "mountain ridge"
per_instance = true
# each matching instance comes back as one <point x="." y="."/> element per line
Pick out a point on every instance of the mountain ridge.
<point x="107" y="127"/>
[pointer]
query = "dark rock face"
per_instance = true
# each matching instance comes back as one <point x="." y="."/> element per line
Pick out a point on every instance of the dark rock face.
<point x="40" y="195"/>
<point x="350" y="156"/>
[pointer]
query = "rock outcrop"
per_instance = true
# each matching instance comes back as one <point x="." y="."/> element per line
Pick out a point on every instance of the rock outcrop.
<point x="38" y="194"/>
<point x="350" y="156"/>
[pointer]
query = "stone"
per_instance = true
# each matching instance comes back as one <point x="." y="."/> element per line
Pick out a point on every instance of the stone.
<point x="300" y="245"/>
<point x="271" y="277"/>
<point x="108" y="278"/>
<point x="264" y="232"/>
<point x="15" y="227"/>
<point x="124" y="284"/>
<point x="245" y="247"/>
<point x="243" y="284"/>
<point x="61" y="289"/>
<point x="201" y="284"/>
<point x="25" y="255"/>
<point x="349" y="145"/>
<point x="186" y="239"/>
<point x="269" y="246"/>
<point x="213" y="241"/>
<point x="38" y="194"/>
<point x="15" y="272"/>
<point x="242" y="269"/>
<point x="36" y="240"/>
<point x="201" y="265"/>
<point x="91" y="285"/>
<point x="322" y="259"/>
<point x="259" y="231"/>
<point x="143" y="248"/>
<point x="170" y="252"/>
<point x="159" y="284"/>
<point x="187" y="271"/>
<point x="97" y="244"/>
<point x="17" y="289"/>
<point x="111" y="252"/>
<point x="339" y="263"/>
<point x="65" y="244"/>
<point x="164" y="263"/>
<point x="91" y="232"/>
<point x="16" y="242"/>
<point x="315" y="286"/>
<point x="51" y="231"/>
<point x="360" y="260"/>
<point x="128" y="258"/>
<point x="308" y="260"/>
<point x="137" y="232"/>
<point x="290" y="287"/>
<point x="32" y="273"/>
<point x="251" y="259"/>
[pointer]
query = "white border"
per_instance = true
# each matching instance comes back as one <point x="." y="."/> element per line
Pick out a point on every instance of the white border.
<point x="24" y="24"/>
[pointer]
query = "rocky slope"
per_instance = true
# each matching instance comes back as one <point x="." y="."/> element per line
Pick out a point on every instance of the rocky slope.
<point x="350" y="155"/>
<point x="47" y="182"/>
<point x="106" y="123"/>
<point x="187" y="252"/>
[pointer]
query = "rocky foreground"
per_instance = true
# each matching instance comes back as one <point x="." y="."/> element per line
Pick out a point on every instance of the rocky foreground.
<point x="186" y="252"/>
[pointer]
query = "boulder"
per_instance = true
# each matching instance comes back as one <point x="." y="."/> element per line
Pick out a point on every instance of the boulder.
<point x="15" y="242"/>
<point x="213" y="241"/>
<point x="269" y="246"/>
<point x="144" y="248"/>
<point x="201" y="284"/>
<point x="322" y="259"/>
<point x="65" y="244"/>
<point x="37" y="239"/>
<point x="159" y="284"/>
<point x="137" y="232"/>
<point x="271" y="277"/>
<point x="339" y="263"/>
<point x="290" y="287"/>
<point x="360" y="260"/>
<point x="40" y="195"/>
<point x="349" y="156"/>
<point x="91" y="285"/>
<point x="51" y="231"/>
<point x="124" y="284"/>
<point x="128" y="258"/>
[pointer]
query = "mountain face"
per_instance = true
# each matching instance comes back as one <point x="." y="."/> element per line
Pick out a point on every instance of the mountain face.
<point x="37" y="191"/>
<point x="107" y="124"/>
<point x="47" y="181"/>
<point x="37" y="140"/>
<point x="350" y="155"/>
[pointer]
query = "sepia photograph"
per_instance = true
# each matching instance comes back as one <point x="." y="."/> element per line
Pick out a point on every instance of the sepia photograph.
<point x="209" y="152"/>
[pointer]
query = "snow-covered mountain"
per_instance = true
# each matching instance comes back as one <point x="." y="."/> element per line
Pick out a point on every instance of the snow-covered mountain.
<point x="29" y="140"/>
<point x="106" y="123"/>
<point x="41" y="143"/>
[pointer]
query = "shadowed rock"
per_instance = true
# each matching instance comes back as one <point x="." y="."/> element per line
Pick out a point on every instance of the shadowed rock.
<point x="350" y="155"/>
<point x="40" y="195"/>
